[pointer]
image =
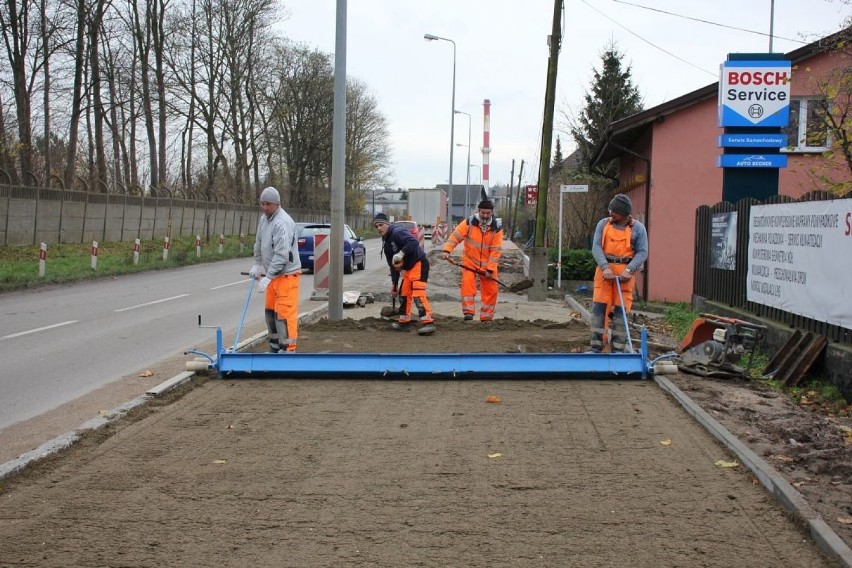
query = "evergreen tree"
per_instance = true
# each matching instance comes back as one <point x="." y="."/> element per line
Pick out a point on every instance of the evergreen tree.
<point x="613" y="96"/>
<point x="557" y="156"/>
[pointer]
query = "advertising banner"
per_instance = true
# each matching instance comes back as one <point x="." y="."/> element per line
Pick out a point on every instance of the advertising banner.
<point x="798" y="259"/>
<point x="723" y="241"/>
<point x="754" y="93"/>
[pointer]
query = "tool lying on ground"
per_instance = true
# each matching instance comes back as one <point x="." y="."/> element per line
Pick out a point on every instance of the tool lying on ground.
<point x="519" y="286"/>
<point x="715" y="345"/>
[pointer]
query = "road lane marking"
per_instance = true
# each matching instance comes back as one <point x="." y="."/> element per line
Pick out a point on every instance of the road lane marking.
<point x="150" y="303"/>
<point x="36" y="330"/>
<point x="231" y="284"/>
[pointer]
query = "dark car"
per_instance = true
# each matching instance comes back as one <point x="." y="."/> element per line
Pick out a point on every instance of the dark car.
<point x="354" y="251"/>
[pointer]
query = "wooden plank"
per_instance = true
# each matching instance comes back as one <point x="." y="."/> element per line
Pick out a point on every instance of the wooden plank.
<point x="806" y="360"/>
<point x="783" y="355"/>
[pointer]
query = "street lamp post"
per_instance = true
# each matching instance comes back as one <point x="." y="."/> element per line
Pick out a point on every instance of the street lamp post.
<point x="467" y="177"/>
<point x="430" y="37"/>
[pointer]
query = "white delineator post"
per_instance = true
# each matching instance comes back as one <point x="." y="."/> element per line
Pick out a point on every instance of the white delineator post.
<point x="197" y="246"/>
<point x="42" y="258"/>
<point x="136" y="251"/>
<point x="242" y="242"/>
<point x="221" y="243"/>
<point x="166" y="248"/>
<point x="321" y="273"/>
<point x="94" y="255"/>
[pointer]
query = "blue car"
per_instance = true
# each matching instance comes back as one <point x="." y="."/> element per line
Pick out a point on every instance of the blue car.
<point x="354" y="250"/>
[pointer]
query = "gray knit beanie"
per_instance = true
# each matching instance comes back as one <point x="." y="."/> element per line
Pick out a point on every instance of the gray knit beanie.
<point x="270" y="195"/>
<point x="621" y="204"/>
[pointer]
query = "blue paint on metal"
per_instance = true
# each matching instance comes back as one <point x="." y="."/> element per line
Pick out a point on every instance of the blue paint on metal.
<point x="435" y="365"/>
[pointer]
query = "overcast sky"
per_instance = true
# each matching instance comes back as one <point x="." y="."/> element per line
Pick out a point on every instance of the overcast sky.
<point x="501" y="55"/>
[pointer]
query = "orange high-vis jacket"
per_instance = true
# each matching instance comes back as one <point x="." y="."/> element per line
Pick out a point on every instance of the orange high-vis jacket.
<point x="482" y="248"/>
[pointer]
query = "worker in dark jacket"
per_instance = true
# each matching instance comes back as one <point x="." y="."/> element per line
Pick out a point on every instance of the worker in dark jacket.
<point x="405" y="257"/>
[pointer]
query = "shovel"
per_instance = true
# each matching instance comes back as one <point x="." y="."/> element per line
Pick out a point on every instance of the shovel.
<point x="519" y="286"/>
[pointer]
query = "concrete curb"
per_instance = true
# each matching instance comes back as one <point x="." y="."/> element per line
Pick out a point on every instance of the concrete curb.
<point x="70" y="438"/>
<point x="826" y="539"/>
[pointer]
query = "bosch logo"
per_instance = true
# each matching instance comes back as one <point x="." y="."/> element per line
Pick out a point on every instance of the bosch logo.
<point x="755" y="111"/>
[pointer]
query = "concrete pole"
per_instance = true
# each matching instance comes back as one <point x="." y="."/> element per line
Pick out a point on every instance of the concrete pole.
<point x="338" y="170"/>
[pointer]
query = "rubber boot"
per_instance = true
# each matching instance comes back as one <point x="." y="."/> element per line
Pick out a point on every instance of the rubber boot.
<point x="619" y="332"/>
<point x="596" y="323"/>
<point x="272" y="330"/>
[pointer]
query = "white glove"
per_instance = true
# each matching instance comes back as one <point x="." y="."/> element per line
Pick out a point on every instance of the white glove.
<point x="264" y="282"/>
<point x="255" y="271"/>
<point x="397" y="258"/>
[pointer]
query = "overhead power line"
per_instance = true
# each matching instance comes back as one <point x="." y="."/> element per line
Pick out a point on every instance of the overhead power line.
<point x="707" y="21"/>
<point x="655" y="46"/>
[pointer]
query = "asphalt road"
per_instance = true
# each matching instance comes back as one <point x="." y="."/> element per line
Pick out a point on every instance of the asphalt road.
<point x="61" y="342"/>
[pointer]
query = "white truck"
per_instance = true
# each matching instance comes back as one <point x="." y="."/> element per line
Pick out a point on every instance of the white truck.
<point x="425" y="205"/>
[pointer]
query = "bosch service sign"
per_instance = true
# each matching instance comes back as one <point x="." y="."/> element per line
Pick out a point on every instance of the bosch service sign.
<point x="754" y="93"/>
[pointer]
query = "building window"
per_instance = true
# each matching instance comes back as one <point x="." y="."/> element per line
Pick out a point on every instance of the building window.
<point x="807" y="131"/>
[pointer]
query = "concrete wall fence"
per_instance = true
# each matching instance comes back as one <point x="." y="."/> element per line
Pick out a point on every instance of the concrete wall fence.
<point x="30" y="215"/>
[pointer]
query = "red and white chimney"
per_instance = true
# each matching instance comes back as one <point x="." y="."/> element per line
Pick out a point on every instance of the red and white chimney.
<point x="486" y="142"/>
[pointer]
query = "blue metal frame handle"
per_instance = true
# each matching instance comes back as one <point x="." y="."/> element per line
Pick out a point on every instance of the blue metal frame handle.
<point x="243" y="317"/>
<point x="624" y="313"/>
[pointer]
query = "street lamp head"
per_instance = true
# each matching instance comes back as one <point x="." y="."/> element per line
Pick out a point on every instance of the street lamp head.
<point x="430" y="37"/>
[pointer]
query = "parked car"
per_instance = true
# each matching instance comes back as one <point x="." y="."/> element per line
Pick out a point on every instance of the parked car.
<point x="411" y="226"/>
<point x="354" y="250"/>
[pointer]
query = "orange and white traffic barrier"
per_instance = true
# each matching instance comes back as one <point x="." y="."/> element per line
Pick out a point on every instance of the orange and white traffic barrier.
<point x="421" y="237"/>
<point x="322" y="241"/>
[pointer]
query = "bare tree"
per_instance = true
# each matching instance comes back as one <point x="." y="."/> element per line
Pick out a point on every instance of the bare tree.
<point x="368" y="152"/>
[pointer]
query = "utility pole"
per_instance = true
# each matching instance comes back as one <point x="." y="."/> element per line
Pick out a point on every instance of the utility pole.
<point x="538" y="256"/>
<point x="509" y="219"/>
<point x="518" y="198"/>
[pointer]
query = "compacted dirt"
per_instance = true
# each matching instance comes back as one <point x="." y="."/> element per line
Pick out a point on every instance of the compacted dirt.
<point x="341" y="472"/>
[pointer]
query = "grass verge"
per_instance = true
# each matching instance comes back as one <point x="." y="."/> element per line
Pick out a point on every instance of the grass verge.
<point x="19" y="266"/>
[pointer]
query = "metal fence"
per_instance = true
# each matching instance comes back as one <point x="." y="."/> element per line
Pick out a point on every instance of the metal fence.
<point x="729" y="286"/>
<point x="32" y="215"/>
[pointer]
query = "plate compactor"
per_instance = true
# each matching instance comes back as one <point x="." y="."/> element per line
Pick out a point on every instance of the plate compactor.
<point x="233" y="363"/>
<point x="716" y="346"/>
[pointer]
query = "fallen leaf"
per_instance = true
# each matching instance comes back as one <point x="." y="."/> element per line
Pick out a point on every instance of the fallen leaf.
<point x="493" y="399"/>
<point x="495" y="455"/>
<point x="798" y="483"/>
<point x="844" y="520"/>
<point x="230" y="426"/>
<point x="146" y="374"/>
<point x="666" y="442"/>
<point x="102" y="412"/>
<point x="723" y="463"/>
<point x="220" y="461"/>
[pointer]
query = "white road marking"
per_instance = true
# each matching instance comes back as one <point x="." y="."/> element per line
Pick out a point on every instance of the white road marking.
<point x="231" y="284"/>
<point x="36" y="330"/>
<point x="150" y="303"/>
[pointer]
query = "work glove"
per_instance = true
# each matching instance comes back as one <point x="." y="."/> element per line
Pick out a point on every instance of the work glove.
<point x="255" y="271"/>
<point x="397" y="259"/>
<point x="608" y="274"/>
<point x="626" y="275"/>
<point x="445" y="255"/>
<point x="264" y="282"/>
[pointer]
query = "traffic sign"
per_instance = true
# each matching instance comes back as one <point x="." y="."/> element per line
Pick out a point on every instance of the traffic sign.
<point x="574" y="188"/>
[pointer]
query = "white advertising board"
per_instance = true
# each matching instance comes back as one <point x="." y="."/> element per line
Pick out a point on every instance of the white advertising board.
<point x="799" y="259"/>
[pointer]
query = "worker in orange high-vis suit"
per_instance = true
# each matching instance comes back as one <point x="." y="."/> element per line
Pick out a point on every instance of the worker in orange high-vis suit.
<point x="407" y="261"/>
<point x="620" y="248"/>
<point x="483" y="244"/>
<point x="277" y="264"/>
